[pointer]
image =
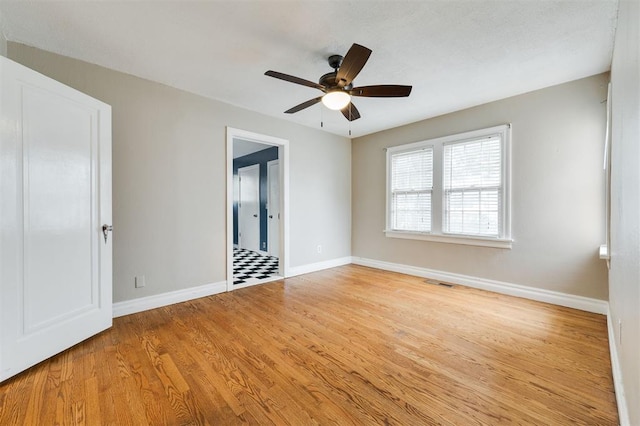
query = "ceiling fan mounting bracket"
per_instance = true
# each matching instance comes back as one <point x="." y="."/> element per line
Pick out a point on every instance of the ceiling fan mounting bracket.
<point x="335" y="61"/>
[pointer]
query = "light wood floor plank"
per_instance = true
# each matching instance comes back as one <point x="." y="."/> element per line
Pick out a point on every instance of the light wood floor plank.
<point x="349" y="345"/>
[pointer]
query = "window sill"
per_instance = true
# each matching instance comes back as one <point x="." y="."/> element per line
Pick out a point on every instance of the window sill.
<point x="452" y="239"/>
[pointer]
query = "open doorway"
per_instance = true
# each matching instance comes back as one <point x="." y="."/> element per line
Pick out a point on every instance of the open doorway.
<point x="257" y="203"/>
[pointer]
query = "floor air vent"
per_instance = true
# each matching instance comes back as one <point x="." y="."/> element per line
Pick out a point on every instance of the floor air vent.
<point x="441" y="284"/>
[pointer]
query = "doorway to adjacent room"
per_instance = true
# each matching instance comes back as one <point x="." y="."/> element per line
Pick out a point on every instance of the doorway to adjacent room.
<point x="257" y="206"/>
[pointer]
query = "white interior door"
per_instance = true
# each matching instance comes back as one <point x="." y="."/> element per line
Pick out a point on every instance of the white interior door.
<point x="55" y="195"/>
<point x="273" y="208"/>
<point x="249" y="207"/>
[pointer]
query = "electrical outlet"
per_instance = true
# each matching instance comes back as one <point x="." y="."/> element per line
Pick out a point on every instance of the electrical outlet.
<point x="319" y="248"/>
<point x="139" y="281"/>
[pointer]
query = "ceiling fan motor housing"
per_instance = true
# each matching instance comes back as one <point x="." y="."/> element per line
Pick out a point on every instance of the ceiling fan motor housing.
<point x="329" y="80"/>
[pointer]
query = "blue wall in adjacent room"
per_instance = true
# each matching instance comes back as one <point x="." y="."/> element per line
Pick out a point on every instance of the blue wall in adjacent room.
<point x="261" y="158"/>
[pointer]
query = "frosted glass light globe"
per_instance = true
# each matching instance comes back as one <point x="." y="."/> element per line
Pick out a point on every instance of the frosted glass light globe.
<point x="336" y="99"/>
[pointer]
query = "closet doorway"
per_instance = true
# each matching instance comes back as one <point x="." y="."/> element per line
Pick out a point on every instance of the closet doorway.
<point x="257" y="207"/>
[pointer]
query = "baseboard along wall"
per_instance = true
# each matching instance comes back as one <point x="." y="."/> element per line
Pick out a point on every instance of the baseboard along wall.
<point x="621" y="400"/>
<point x="571" y="301"/>
<point x="165" y="299"/>
<point x="319" y="266"/>
<point x="556" y="298"/>
<point x="141" y="304"/>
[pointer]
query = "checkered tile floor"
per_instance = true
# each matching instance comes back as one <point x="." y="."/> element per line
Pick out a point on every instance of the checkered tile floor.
<point x="250" y="267"/>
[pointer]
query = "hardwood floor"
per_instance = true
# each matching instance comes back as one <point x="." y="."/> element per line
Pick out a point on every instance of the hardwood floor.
<point x="349" y="345"/>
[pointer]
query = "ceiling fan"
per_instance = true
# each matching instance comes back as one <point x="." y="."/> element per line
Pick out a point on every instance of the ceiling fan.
<point x="338" y="85"/>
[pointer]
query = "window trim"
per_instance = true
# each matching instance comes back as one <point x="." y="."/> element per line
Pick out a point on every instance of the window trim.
<point x="437" y="234"/>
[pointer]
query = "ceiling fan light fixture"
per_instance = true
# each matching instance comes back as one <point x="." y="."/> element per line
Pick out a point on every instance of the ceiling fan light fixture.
<point x="338" y="86"/>
<point x="336" y="99"/>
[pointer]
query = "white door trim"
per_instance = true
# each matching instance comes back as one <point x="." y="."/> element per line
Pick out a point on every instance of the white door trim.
<point x="283" y="156"/>
<point x="270" y="208"/>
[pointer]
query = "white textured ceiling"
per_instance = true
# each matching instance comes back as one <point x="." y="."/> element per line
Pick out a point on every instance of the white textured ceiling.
<point x="456" y="54"/>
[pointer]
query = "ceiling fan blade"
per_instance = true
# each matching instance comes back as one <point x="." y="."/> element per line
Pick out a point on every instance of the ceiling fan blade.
<point x="303" y="105"/>
<point x="352" y="64"/>
<point x="381" y="91"/>
<point x="350" y="112"/>
<point x="296" y="80"/>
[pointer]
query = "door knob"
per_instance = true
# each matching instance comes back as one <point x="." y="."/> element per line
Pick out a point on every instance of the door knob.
<point x="105" y="231"/>
<point x="270" y="216"/>
<point x="255" y="215"/>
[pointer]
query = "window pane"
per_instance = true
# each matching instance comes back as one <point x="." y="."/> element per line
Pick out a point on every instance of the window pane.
<point x="489" y="223"/>
<point x="455" y="222"/>
<point x="472" y="212"/>
<point x="411" y="212"/>
<point x="473" y="164"/>
<point x="472" y="175"/>
<point x="411" y="184"/>
<point x="470" y="222"/>
<point x="412" y="171"/>
<point x="471" y="201"/>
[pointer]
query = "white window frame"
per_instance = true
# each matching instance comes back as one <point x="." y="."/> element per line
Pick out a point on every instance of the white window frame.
<point x="437" y="195"/>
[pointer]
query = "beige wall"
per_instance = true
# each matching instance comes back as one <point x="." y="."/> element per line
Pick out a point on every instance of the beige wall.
<point x="557" y="192"/>
<point x="624" y="276"/>
<point x="169" y="178"/>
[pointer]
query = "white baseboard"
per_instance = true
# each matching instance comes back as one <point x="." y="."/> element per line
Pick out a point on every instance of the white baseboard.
<point x="159" y="300"/>
<point x="569" y="300"/>
<point x="572" y="301"/>
<point x="621" y="400"/>
<point x="313" y="267"/>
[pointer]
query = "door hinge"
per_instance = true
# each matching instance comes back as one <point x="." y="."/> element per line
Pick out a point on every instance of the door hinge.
<point x="105" y="231"/>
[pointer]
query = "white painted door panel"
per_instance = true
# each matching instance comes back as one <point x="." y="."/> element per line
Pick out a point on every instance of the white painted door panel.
<point x="55" y="152"/>
<point x="273" y="228"/>
<point x="249" y="208"/>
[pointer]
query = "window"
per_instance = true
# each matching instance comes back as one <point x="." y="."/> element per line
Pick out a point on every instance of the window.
<point x="452" y="189"/>
<point x="473" y="187"/>
<point x="412" y="182"/>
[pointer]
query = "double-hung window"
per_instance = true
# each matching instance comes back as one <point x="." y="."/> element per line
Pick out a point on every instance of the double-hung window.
<point x="411" y="186"/>
<point x="472" y="187"/>
<point x="452" y="189"/>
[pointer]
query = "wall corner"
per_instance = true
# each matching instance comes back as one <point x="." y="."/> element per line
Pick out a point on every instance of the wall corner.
<point x="3" y="44"/>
